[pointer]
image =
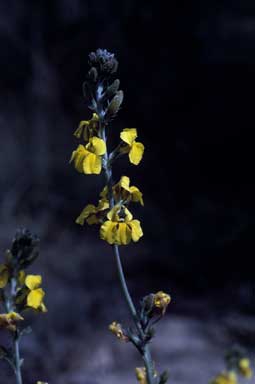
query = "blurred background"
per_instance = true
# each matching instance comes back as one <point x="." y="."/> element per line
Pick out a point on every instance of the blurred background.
<point x="188" y="73"/>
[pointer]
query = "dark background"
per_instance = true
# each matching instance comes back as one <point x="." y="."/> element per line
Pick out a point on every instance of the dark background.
<point x="187" y="71"/>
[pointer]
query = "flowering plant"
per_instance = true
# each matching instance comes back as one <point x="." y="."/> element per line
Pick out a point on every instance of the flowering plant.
<point x="19" y="293"/>
<point x="117" y="225"/>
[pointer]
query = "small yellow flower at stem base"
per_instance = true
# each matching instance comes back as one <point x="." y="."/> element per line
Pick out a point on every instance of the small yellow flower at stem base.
<point x="229" y="377"/>
<point x="161" y="301"/>
<point x="120" y="228"/>
<point x="4" y="275"/>
<point x="9" y="320"/>
<point x="244" y="368"/>
<point x="117" y="330"/>
<point x="134" y="149"/>
<point x="88" y="159"/>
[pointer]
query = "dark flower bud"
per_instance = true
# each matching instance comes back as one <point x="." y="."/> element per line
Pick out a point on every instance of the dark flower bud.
<point x="114" y="106"/>
<point x="25" y="248"/>
<point x="92" y="74"/>
<point x="103" y="61"/>
<point x="111" y="90"/>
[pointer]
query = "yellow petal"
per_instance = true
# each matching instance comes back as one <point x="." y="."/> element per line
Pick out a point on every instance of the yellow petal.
<point x="92" y="220"/>
<point x="137" y="195"/>
<point x="4" y="275"/>
<point x="124" y="183"/>
<point x="92" y="164"/>
<point x="96" y="146"/>
<point x="128" y="214"/>
<point x="82" y="126"/>
<point x="136" y="230"/>
<point x="87" y="211"/>
<point x="43" y="308"/>
<point x="123" y="234"/>
<point x="107" y="231"/>
<point x="103" y="204"/>
<point x="33" y="281"/>
<point x="35" y="298"/>
<point x="128" y="135"/>
<point x="78" y="157"/>
<point x="136" y="153"/>
<point x="104" y="193"/>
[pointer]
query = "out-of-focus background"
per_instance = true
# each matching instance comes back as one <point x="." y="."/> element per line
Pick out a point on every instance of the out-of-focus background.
<point x="188" y="73"/>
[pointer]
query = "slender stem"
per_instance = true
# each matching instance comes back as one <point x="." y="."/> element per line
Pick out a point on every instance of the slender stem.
<point x="17" y="359"/>
<point x="16" y="351"/>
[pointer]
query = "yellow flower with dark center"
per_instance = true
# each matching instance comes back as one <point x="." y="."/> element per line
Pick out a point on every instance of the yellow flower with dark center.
<point x="87" y="128"/>
<point x="229" y="377"/>
<point x="134" y="148"/>
<point x="36" y="294"/>
<point x="161" y="301"/>
<point x="87" y="159"/>
<point x="9" y="320"/>
<point x="244" y="368"/>
<point x="120" y="228"/>
<point x="123" y="192"/>
<point x="92" y="214"/>
<point x="117" y="330"/>
<point x="4" y="275"/>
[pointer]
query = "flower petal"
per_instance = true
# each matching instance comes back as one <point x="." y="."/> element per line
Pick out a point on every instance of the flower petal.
<point x="97" y="146"/>
<point x="136" y="230"/>
<point x="123" y="234"/>
<point x="136" y="153"/>
<point x="87" y="211"/>
<point x="124" y="183"/>
<point x="128" y="135"/>
<point x="33" y="281"/>
<point x="35" y="298"/>
<point x="92" y="164"/>
<point x="107" y="231"/>
<point x="137" y="195"/>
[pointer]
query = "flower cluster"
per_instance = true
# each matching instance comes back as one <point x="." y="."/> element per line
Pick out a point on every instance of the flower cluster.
<point x="19" y="292"/>
<point x="117" y="225"/>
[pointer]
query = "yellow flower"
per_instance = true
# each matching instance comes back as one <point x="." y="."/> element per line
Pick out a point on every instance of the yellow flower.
<point x="123" y="191"/>
<point x="87" y="128"/>
<point x="9" y="320"/>
<point x="133" y="148"/>
<point x="92" y="214"/>
<point x="225" y="378"/>
<point x="117" y="330"/>
<point x="88" y="159"/>
<point x="36" y="294"/>
<point x="4" y="275"/>
<point x="161" y="301"/>
<point x="244" y="368"/>
<point x="120" y="228"/>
